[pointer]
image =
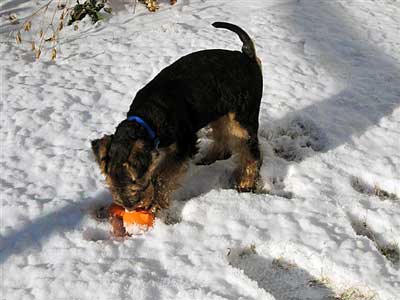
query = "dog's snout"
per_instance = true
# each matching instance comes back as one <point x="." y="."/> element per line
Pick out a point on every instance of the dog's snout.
<point x="129" y="206"/>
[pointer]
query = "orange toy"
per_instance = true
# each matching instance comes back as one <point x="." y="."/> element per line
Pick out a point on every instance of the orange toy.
<point x="141" y="217"/>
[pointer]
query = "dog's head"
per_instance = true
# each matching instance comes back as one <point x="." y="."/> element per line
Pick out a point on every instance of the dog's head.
<point x="128" y="160"/>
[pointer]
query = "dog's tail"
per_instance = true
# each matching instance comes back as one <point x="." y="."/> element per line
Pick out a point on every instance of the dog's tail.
<point x="248" y="45"/>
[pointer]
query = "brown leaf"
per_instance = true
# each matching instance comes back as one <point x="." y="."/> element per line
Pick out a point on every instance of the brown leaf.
<point x="60" y="26"/>
<point x="18" y="38"/>
<point x="152" y="5"/>
<point x="53" y="54"/>
<point x="13" y="19"/>
<point x="33" y="46"/>
<point x="51" y="39"/>
<point x="28" y="26"/>
<point x="38" y="52"/>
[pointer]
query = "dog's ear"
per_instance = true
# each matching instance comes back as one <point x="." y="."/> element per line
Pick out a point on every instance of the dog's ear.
<point x="100" y="150"/>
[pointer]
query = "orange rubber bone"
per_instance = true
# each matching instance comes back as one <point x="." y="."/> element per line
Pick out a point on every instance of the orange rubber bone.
<point x="141" y="217"/>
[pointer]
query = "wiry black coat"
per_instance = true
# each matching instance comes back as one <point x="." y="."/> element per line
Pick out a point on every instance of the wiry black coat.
<point x="197" y="89"/>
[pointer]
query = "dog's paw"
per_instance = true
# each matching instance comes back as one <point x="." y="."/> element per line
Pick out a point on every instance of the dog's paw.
<point x="246" y="189"/>
<point x="246" y="186"/>
<point x="118" y="227"/>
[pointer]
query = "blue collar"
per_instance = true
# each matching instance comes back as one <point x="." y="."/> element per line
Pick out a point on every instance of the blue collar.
<point x="150" y="131"/>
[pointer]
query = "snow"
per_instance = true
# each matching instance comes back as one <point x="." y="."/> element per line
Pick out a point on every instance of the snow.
<point x="330" y="113"/>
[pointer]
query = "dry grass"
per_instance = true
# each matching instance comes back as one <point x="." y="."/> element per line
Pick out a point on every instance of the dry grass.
<point x="251" y="250"/>
<point x="364" y="188"/>
<point x="281" y="263"/>
<point x="355" y="294"/>
<point x="390" y="251"/>
<point x="46" y="23"/>
<point x="320" y="282"/>
<point x="153" y="5"/>
<point x="334" y="292"/>
<point x="347" y="294"/>
<point x="46" y="32"/>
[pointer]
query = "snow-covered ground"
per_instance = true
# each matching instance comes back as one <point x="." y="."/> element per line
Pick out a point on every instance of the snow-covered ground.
<point x="330" y="135"/>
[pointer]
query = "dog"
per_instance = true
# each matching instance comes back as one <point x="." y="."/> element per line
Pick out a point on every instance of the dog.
<point x="144" y="160"/>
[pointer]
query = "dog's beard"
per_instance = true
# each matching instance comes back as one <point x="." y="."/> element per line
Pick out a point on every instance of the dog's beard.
<point x="132" y="194"/>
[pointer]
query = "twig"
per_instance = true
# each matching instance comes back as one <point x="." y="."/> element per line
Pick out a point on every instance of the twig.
<point x="30" y="17"/>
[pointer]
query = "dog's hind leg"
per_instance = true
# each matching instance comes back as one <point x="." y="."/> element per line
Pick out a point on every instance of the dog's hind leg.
<point x="244" y="141"/>
<point x="219" y="149"/>
<point x="249" y="163"/>
<point x="229" y="135"/>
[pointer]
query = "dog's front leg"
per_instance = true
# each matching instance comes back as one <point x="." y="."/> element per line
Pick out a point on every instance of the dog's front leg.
<point x="167" y="180"/>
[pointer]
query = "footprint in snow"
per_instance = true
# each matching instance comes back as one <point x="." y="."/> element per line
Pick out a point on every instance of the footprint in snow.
<point x="290" y="142"/>
<point x="279" y="277"/>
<point x="295" y="140"/>
<point x="390" y="251"/>
<point x="362" y="187"/>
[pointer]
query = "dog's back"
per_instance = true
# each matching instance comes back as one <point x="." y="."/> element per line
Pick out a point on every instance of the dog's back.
<point x="210" y="82"/>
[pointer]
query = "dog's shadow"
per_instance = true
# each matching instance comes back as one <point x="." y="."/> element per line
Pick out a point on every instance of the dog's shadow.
<point x="369" y="80"/>
<point x="36" y="232"/>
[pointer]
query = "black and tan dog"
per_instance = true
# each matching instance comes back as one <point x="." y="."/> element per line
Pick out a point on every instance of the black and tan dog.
<point x="147" y="155"/>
